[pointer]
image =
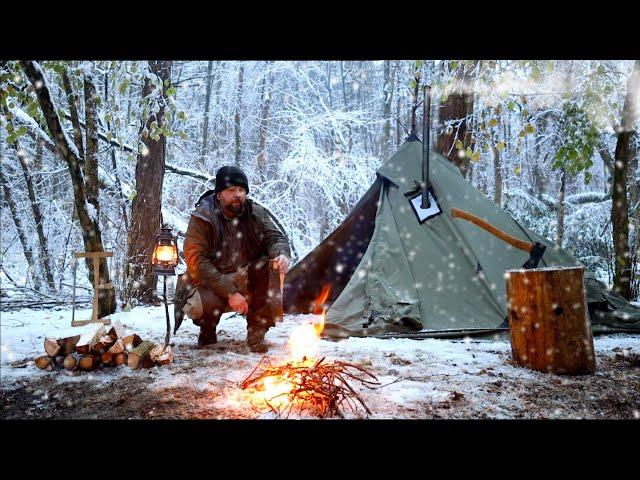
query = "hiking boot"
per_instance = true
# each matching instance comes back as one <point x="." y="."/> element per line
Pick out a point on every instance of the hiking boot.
<point x="207" y="337"/>
<point x="255" y="339"/>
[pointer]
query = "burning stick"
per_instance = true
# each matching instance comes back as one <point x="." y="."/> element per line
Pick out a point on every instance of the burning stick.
<point x="319" y="387"/>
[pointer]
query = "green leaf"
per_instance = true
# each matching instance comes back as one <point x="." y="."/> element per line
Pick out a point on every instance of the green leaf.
<point x="528" y="128"/>
<point x="21" y="131"/>
<point x="601" y="70"/>
<point x="517" y="170"/>
<point x="468" y="152"/>
<point x="171" y="91"/>
<point x="511" y="106"/>
<point x="122" y="88"/>
<point x="500" y="146"/>
<point x="182" y="116"/>
<point x="459" y="145"/>
<point x="493" y="122"/>
<point x="453" y="64"/>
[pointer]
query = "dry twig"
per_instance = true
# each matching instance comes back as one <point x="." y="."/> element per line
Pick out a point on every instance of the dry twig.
<point x="322" y="388"/>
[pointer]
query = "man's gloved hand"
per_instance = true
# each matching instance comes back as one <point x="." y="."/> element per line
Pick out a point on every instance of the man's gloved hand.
<point x="238" y="303"/>
<point x="281" y="262"/>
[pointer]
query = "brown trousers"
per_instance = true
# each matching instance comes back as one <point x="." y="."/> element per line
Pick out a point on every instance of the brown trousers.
<point x="255" y="293"/>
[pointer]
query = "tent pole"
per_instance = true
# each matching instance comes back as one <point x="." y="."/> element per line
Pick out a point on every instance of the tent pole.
<point x="425" y="147"/>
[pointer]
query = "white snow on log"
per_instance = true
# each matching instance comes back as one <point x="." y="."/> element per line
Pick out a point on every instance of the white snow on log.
<point x="91" y="210"/>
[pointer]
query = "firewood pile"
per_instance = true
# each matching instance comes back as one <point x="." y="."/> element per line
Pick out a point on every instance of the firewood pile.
<point x="320" y="387"/>
<point x="102" y="348"/>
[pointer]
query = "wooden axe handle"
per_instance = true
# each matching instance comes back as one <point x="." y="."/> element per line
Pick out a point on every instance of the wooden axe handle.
<point x="516" y="242"/>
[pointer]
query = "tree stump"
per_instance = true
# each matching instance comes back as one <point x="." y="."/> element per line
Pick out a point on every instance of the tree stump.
<point x="550" y="328"/>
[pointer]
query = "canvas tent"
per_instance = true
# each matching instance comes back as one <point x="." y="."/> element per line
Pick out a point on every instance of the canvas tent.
<point x="393" y="273"/>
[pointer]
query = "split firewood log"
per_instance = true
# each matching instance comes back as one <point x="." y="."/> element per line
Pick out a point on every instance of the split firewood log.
<point x="160" y="355"/>
<point x="83" y="345"/>
<point x="117" y="347"/>
<point x="131" y="342"/>
<point x="156" y="351"/>
<point x="51" y="347"/>
<point x="116" y="331"/>
<point x="140" y="353"/>
<point x="68" y="345"/>
<point x="166" y="357"/>
<point x="103" y="344"/>
<point x="147" y="362"/>
<point x="97" y="336"/>
<point x="106" y="358"/>
<point x="44" y="362"/>
<point x="70" y="362"/>
<point x="119" y="359"/>
<point x="88" y="362"/>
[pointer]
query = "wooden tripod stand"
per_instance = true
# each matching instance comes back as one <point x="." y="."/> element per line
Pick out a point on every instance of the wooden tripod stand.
<point x="96" y="256"/>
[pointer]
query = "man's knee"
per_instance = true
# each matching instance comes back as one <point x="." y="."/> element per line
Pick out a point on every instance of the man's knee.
<point x="204" y="307"/>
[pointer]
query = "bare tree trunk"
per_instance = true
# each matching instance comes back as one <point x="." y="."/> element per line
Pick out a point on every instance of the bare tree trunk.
<point x="497" y="176"/>
<point x="561" y="195"/>
<point x="91" y="158"/>
<point x="146" y="207"/>
<point x="634" y="190"/>
<point x="205" y="125"/>
<point x="91" y="233"/>
<point x="398" y="125"/>
<point x="28" y="253"/>
<point x="37" y="217"/>
<point x="619" y="203"/>
<point x="114" y="163"/>
<point x="264" y="120"/>
<point x="72" y="99"/>
<point x="215" y="140"/>
<point x="328" y="80"/>
<point x="237" y="115"/>
<point x="345" y="105"/>
<point x="414" y="99"/>
<point x="387" y="100"/>
<point x="456" y="109"/>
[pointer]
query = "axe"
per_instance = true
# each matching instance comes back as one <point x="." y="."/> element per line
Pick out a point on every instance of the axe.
<point x="535" y="250"/>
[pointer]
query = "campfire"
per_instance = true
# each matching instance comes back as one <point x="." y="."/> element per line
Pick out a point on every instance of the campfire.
<point x="305" y="383"/>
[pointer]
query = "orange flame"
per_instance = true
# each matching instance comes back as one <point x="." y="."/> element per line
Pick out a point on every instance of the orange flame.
<point x="303" y="343"/>
<point x="304" y="339"/>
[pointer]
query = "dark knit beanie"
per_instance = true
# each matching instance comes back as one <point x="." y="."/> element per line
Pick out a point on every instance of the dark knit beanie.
<point x="229" y="176"/>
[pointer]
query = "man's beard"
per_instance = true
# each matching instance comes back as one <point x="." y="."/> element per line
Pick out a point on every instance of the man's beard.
<point x="236" y="208"/>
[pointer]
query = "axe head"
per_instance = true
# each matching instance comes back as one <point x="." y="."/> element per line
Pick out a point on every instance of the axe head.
<point x="537" y="250"/>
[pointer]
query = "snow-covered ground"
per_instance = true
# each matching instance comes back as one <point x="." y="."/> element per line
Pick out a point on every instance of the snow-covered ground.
<point x="466" y="378"/>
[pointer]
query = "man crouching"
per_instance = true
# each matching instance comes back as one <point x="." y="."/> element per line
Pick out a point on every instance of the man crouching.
<point x="228" y="244"/>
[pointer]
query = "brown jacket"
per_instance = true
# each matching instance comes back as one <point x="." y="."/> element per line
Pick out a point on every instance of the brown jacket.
<point x="203" y="239"/>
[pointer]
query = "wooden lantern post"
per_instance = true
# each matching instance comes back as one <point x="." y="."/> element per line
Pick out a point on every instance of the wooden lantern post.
<point x="548" y="320"/>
